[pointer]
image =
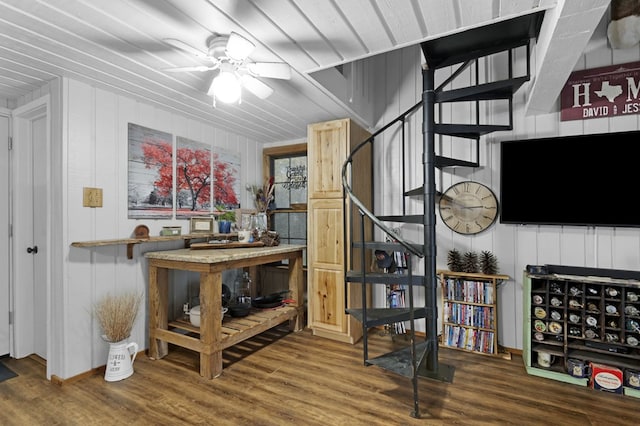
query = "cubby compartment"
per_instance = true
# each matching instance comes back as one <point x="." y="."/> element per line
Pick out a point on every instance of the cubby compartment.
<point x="573" y="319"/>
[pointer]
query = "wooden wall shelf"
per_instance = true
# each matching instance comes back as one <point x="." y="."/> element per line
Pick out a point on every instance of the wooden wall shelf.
<point x="131" y="242"/>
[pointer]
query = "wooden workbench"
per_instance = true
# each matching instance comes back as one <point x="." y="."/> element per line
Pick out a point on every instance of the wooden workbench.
<point x="213" y="335"/>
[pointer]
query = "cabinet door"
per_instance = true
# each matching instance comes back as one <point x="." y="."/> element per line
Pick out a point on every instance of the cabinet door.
<point x="325" y="270"/>
<point x="326" y="152"/>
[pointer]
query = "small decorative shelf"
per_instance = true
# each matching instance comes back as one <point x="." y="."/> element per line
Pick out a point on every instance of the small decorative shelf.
<point x="131" y="242"/>
<point x="470" y="312"/>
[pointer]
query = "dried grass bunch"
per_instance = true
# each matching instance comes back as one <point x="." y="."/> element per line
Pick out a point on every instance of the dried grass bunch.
<point x="262" y="196"/>
<point x="117" y="314"/>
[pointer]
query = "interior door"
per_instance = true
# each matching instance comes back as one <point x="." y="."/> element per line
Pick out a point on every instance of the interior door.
<point x="4" y="235"/>
<point x="29" y="244"/>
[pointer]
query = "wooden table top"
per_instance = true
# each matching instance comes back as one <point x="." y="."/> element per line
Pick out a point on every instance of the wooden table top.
<point x="222" y="255"/>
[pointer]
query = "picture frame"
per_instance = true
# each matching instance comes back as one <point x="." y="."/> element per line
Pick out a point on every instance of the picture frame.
<point x="201" y="225"/>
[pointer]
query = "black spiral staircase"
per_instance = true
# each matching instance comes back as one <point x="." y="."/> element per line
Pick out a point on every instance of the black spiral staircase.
<point x="464" y="51"/>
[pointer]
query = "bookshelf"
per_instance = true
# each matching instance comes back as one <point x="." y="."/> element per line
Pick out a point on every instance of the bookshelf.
<point x="470" y="311"/>
<point x="395" y="293"/>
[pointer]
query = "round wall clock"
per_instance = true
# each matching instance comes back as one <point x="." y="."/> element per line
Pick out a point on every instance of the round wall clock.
<point x="468" y="207"/>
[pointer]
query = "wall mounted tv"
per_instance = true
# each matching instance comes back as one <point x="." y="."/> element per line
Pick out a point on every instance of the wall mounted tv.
<point x="586" y="180"/>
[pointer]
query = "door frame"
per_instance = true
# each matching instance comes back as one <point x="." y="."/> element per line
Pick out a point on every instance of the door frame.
<point x="5" y="251"/>
<point x="22" y="330"/>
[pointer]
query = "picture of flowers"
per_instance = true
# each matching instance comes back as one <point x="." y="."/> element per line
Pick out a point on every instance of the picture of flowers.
<point x="150" y="185"/>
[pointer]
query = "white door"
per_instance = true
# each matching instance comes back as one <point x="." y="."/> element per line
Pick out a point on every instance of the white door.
<point x="4" y="234"/>
<point x="30" y="238"/>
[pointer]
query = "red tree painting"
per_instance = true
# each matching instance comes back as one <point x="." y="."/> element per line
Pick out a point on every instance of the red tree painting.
<point x="193" y="174"/>
<point x="224" y="175"/>
<point x="149" y="152"/>
<point x="159" y="156"/>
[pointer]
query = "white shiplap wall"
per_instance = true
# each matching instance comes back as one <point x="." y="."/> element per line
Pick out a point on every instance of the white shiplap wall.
<point x="92" y="138"/>
<point x="514" y="246"/>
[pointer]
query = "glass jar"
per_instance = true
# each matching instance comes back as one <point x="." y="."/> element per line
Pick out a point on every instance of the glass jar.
<point x="243" y="289"/>
<point x="259" y="223"/>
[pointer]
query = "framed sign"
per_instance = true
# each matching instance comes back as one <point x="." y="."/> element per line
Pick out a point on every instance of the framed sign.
<point x="601" y="92"/>
<point x="203" y="225"/>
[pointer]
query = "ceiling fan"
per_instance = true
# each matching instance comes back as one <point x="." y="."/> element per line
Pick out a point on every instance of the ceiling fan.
<point x="230" y="55"/>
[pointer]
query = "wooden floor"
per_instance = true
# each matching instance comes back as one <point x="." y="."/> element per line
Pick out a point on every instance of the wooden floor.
<point x="281" y="378"/>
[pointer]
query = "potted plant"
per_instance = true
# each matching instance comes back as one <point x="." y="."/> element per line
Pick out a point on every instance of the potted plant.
<point x="225" y="219"/>
<point x="116" y="316"/>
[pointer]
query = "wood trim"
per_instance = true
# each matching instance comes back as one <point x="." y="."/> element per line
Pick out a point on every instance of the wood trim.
<point x="277" y="151"/>
<point x="56" y="380"/>
<point x="285" y="149"/>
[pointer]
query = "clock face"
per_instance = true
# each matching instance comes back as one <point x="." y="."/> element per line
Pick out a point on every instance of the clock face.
<point x="468" y="207"/>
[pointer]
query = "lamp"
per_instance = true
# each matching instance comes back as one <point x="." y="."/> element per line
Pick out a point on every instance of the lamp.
<point x="225" y="86"/>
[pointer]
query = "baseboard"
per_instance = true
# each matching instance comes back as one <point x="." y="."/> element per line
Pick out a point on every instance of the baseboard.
<point x="94" y="371"/>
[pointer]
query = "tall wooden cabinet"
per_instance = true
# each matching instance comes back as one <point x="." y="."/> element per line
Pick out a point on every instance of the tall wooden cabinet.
<point x="328" y="146"/>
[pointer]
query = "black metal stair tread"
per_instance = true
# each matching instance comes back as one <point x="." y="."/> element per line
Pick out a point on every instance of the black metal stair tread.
<point x="481" y="41"/>
<point x="383" y="245"/>
<point x="399" y="362"/>
<point x="503" y="89"/>
<point x="420" y="190"/>
<point x="470" y="130"/>
<point x="382" y="278"/>
<point x="382" y="316"/>
<point x="408" y="218"/>
<point x="442" y="162"/>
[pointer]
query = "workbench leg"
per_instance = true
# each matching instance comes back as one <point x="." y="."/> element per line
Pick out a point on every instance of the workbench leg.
<point x="296" y="287"/>
<point x="158" y="310"/>
<point x="211" y="324"/>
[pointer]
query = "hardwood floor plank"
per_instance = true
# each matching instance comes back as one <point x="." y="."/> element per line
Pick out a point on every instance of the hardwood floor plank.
<point x="284" y="378"/>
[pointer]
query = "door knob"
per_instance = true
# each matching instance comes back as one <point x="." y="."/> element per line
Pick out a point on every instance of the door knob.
<point x="32" y="250"/>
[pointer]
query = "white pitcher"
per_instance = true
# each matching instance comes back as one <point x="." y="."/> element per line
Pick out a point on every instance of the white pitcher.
<point x="120" y="360"/>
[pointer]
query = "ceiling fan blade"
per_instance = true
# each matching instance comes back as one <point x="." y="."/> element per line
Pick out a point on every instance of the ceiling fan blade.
<point x="255" y="86"/>
<point x="197" y="68"/>
<point x="238" y="47"/>
<point x="270" y="70"/>
<point x="181" y="45"/>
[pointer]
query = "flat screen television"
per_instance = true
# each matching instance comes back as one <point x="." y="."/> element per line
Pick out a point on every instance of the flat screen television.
<point x="585" y="180"/>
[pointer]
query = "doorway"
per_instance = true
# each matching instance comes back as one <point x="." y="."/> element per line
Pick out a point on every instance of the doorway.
<point x="30" y="282"/>
<point x="4" y="235"/>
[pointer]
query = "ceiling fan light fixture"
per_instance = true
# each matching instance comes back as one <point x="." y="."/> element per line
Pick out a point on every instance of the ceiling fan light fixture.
<point x="238" y="47"/>
<point x="255" y="86"/>
<point x="225" y="87"/>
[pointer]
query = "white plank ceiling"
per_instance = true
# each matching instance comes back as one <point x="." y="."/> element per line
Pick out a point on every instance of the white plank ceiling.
<point x="117" y="44"/>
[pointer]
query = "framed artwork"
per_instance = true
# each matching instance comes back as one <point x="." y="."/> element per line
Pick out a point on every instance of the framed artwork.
<point x="193" y="178"/>
<point x="201" y="225"/>
<point x="226" y="179"/>
<point x="150" y="173"/>
<point x="206" y="179"/>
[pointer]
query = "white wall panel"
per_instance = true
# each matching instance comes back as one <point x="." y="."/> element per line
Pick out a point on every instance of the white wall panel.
<point x="572" y="249"/>
<point x="96" y="141"/>
<point x="624" y="249"/>
<point x="81" y="224"/>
